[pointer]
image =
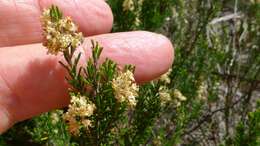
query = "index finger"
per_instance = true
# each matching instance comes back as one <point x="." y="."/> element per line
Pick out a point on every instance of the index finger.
<point x="20" y="19"/>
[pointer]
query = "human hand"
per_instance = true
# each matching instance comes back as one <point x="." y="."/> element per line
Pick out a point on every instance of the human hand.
<point x="32" y="82"/>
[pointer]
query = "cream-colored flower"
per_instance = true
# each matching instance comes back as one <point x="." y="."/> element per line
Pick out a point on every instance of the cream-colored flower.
<point x="165" y="77"/>
<point x="164" y="95"/>
<point x="128" y="5"/>
<point x="125" y="88"/>
<point x="137" y="21"/>
<point x="179" y="95"/>
<point x="81" y="107"/>
<point x="55" y="117"/>
<point x="59" y="35"/>
<point x="140" y="2"/>
<point x="79" y="101"/>
<point x="87" y="123"/>
<point x="74" y="127"/>
<point x="202" y="91"/>
<point x="90" y="109"/>
<point x="157" y="141"/>
<point x="132" y="101"/>
<point x="79" y="110"/>
<point x="177" y="103"/>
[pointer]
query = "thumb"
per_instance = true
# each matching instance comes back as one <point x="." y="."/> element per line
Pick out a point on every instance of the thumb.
<point x="5" y="121"/>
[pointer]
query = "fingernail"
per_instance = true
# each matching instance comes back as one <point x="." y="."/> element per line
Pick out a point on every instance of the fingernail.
<point x="4" y="121"/>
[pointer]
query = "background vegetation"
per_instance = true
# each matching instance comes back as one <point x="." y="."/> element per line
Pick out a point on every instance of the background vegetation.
<point x="216" y="67"/>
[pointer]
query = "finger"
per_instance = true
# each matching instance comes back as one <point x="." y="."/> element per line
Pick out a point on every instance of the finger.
<point x="33" y="82"/>
<point x="20" y="19"/>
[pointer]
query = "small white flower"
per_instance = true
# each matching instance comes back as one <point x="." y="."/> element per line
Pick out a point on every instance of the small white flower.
<point x="125" y="88"/>
<point x="87" y="123"/>
<point x="55" y="117"/>
<point x="179" y="95"/>
<point x="79" y="110"/>
<point x="132" y="101"/>
<point x="74" y="127"/>
<point x="128" y="5"/>
<point x="59" y="35"/>
<point x="202" y="91"/>
<point x="164" y="95"/>
<point x="165" y="77"/>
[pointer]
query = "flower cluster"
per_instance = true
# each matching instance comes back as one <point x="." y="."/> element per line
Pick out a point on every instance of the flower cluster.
<point x="125" y="88"/>
<point x="60" y="33"/>
<point x="138" y="13"/>
<point x="179" y="97"/>
<point x="128" y="5"/>
<point x="164" y="95"/>
<point x="79" y="113"/>
<point x="171" y="96"/>
<point x="202" y="91"/>
<point x="55" y="116"/>
<point x="165" y="77"/>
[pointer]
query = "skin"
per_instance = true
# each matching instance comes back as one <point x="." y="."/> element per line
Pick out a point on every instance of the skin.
<point x="32" y="82"/>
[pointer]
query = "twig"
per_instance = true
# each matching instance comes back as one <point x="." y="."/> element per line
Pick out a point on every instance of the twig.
<point x="206" y="117"/>
<point x="225" y="18"/>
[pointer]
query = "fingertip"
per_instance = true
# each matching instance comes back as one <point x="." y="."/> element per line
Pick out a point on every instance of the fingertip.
<point x="159" y="59"/>
<point x="105" y="15"/>
<point x="168" y="50"/>
<point x="109" y="16"/>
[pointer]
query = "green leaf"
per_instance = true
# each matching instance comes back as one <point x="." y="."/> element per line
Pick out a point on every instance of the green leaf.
<point x="96" y="50"/>
<point x="55" y="13"/>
